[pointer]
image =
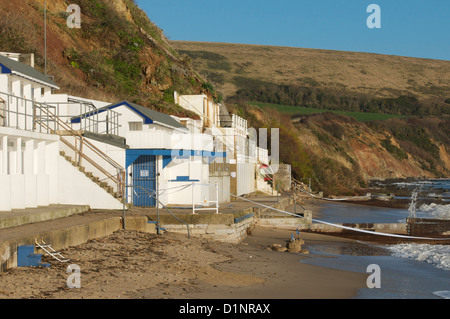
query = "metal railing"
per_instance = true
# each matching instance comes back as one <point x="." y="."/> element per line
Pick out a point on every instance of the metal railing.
<point x="80" y="154"/>
<point x="30" y="115"/>
<point x="2" y="112"/>
<point x="89" y="116"/>
<point x="18" y="112"/>
<point x="269" y="177"/>
<point x="158" y="201"/>
<point x="225" y="121"/>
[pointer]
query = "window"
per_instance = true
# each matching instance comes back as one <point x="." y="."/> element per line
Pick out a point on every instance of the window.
<point x="135" y="126"/>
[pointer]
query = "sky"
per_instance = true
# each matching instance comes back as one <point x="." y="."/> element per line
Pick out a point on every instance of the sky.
<point x="415" y="28"/>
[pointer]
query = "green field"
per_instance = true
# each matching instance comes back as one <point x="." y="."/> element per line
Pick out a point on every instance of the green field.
<point x="300" y="110"/>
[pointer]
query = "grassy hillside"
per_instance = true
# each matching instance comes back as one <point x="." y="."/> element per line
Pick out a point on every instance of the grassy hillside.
<point x="118" y="53"/>
<point x="324" y="79"/>
<point x="297" y="111"/>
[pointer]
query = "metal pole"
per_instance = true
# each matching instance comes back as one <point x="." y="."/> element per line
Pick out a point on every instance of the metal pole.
<point x="193" y="203"/>
<point x="295" y="203"/>
<point x="157" y="195"/>
<point x="45" y="36"/>
<point x="122" y="175"/>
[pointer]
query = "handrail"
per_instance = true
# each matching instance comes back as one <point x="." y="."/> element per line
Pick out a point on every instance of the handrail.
<point x="80" y="136"/>
<point x="82" y="140"/>
<point x="2" y="101"/>
<point x="49" y="122"/>
<point x="298" y="182"/>
<point x="277" y="186"/>
<point x="164" y="206"/>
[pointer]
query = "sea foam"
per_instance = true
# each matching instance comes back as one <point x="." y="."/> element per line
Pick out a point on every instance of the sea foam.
<point x="443" y="294"/>
<point x="437" y="255"/>
<point x="435" y="211"/>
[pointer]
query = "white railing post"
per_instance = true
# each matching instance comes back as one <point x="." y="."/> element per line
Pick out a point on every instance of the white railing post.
<point x="193" y="202"/>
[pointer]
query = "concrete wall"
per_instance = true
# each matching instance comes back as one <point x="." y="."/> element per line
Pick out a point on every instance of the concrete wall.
<point x="59" y="239"/>
<point x="201" y="105"/>
<point x="77" y="189"/>
<point x="115" y="153"/>
<point x="225" y="231"/>
<point x="245" y="178"/>
<point x="223" y="183"/>
<point x="394" y="228"/>
<point x="428" y="227"/>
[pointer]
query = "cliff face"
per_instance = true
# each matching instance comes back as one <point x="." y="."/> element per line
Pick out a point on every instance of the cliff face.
<point x="397" y="148"/>
<point x="117" y="53"/>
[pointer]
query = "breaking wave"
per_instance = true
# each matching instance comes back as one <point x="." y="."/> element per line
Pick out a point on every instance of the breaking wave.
<point x="437" y="255"/>
<point x="434" y="211"/>
<point x="443" y="294"/>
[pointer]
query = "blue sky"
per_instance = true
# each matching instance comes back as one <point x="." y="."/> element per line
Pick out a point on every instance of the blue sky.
<point x="416" y="28"/>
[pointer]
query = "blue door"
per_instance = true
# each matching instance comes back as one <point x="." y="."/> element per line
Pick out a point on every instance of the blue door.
<point x="144" y="181"/>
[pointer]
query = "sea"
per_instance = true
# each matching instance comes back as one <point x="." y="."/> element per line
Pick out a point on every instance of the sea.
<point x="404" y="271"/>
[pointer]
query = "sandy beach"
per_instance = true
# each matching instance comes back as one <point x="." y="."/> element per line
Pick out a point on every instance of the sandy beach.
<point x="134" y="265"/>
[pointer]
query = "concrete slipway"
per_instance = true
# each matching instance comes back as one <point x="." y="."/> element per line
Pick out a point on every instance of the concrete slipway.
<point x="65" y="226"/>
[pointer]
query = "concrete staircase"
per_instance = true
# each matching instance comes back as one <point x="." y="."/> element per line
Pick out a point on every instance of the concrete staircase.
<point x="265" y="186"/>
<point x="90" y="175"/>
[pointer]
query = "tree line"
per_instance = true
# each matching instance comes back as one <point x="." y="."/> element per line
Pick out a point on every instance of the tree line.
<point x="252" y="90"/>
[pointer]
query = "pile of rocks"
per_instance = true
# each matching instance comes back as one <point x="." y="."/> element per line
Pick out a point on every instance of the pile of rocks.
<point x="292" y="246"/>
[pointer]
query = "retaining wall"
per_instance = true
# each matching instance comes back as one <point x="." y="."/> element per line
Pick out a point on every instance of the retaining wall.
<point x="229" y="232"/>
<point x="394" y="228"/>
<point x="428" y="227"/>
<point x="231" y="228"/>
<point x="59" y="239"/>
<point x="287" y="222"/>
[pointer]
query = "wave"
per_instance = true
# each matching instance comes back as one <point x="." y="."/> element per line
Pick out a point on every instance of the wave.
<point x="431" y="184"/>
<point x="435" y="211"/>
<point x="443" y="294"/>
<point x="437" y="255"/>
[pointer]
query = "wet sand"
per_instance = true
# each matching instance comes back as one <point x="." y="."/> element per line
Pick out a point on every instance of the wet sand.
<point x="285" y="277"/>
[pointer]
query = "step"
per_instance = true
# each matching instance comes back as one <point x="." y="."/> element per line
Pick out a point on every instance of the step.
<point x="18" y="217"/>
<point x="109" y="189"/>
<point x="95" y="179"/>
